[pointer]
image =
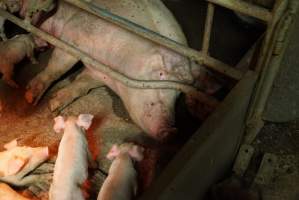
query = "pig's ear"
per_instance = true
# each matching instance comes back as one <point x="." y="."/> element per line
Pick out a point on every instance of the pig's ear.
<point x="58" y="124"/>
<point x="15" y="164"/>
<point x="84" y="120"/>
<point x="136" y="153"/>
<point x="114" y="151"/>
<point x="10" y="145"/>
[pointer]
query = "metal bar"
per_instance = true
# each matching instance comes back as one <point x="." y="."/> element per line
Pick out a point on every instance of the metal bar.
<point x="202" y="97"/>
<point x="208" y="28"/>
<point x="245" y="8"/>
<point x="157" y="38"/>
<point x="264" y="87"/>
<point x="225" y="69"/>
<point x="266" y="49"/>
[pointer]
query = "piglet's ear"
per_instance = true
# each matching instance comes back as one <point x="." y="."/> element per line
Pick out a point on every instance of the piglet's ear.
<point x="136" y="153"/>
<point x="10" y="145"/>
<point x="58" y="124"/>
<point x="84" y="120"/>
<point x="114" y="151"/>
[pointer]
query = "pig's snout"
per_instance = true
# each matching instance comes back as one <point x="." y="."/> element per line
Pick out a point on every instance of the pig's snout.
<point x="160" y="127"/>
<point x="165" y="132"/>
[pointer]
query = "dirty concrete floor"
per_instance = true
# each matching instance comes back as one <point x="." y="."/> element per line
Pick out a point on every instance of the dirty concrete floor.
<point x="281" y="140"/>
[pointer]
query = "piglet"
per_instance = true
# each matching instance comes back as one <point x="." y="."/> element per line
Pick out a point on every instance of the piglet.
<point x="121" y="183"/>
<point x="17" y="161"/>
<point x="71" y="167"/>
<point x="12" y="51"/>
<point x="7" y="193"/>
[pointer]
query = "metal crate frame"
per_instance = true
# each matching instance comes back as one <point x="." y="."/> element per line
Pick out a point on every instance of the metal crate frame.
<point x="265" y="74"/>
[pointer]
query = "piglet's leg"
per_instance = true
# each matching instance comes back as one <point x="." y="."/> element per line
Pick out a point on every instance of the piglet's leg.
<point x="30" y="55"/>
<point x="7" y="71"/>
<point x="59" y="63"/>
<point x="27" y="180"/>
<point x="2" y="33"/>
<point x="79" y="87"/>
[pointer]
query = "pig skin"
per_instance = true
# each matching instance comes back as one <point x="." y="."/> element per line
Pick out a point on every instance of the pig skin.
<point x="121" y="183"/>
<point x="138" y="58"/>
<point x="7" y="193"/>
<point x="12" y="51"/>
<point x="71" y="166"/>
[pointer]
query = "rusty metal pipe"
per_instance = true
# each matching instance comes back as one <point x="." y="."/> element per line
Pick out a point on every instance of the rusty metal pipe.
<point x="84" y="57"/>
<point x="157" y="38"/>
<point x="245" y="8"/>
<point x="208" y="28"/>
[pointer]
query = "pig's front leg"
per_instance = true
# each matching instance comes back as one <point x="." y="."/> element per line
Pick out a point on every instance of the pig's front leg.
<point x="79" y="87"/>
<point x="59" y="63"/>
<point x="7" y="71"/>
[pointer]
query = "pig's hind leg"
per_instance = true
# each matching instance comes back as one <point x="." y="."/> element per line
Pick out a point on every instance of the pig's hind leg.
<point x="59" y="63"/>
<point x="79" y="87"/>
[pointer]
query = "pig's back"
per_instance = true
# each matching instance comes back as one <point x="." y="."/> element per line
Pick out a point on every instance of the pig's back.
<point x="152" y="14"/>
<point x="72" y="152"/>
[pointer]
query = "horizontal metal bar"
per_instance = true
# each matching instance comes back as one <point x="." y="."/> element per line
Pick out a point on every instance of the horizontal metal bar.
<point x="245" y="8"/>
<point x="84" y="57"/>
<point x="222" y="67"/>
<point x="157" y="38"/>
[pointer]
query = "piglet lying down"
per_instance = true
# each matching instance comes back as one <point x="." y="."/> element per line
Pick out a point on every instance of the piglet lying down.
<point x="121" y="183"/>
<point x="17" y="161"/>
<point x="71" y="167"/>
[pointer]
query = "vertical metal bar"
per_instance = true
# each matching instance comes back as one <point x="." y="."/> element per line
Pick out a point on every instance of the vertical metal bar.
<point x="267" y="77"/>
<point x="266" y="49"/>
<point x="208" y="29"/>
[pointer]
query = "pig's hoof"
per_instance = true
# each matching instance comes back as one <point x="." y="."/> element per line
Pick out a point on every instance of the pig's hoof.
<point x="60" y="100"/>
<point x="13" y="84"/>
<point x="54" y="105"/>
<point x="34" y="92"/>
<point x="3" y="36"/>
<point x="10" y="82"/>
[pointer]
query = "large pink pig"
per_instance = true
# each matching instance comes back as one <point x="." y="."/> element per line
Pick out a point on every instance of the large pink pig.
<point x="138" y="58"/>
